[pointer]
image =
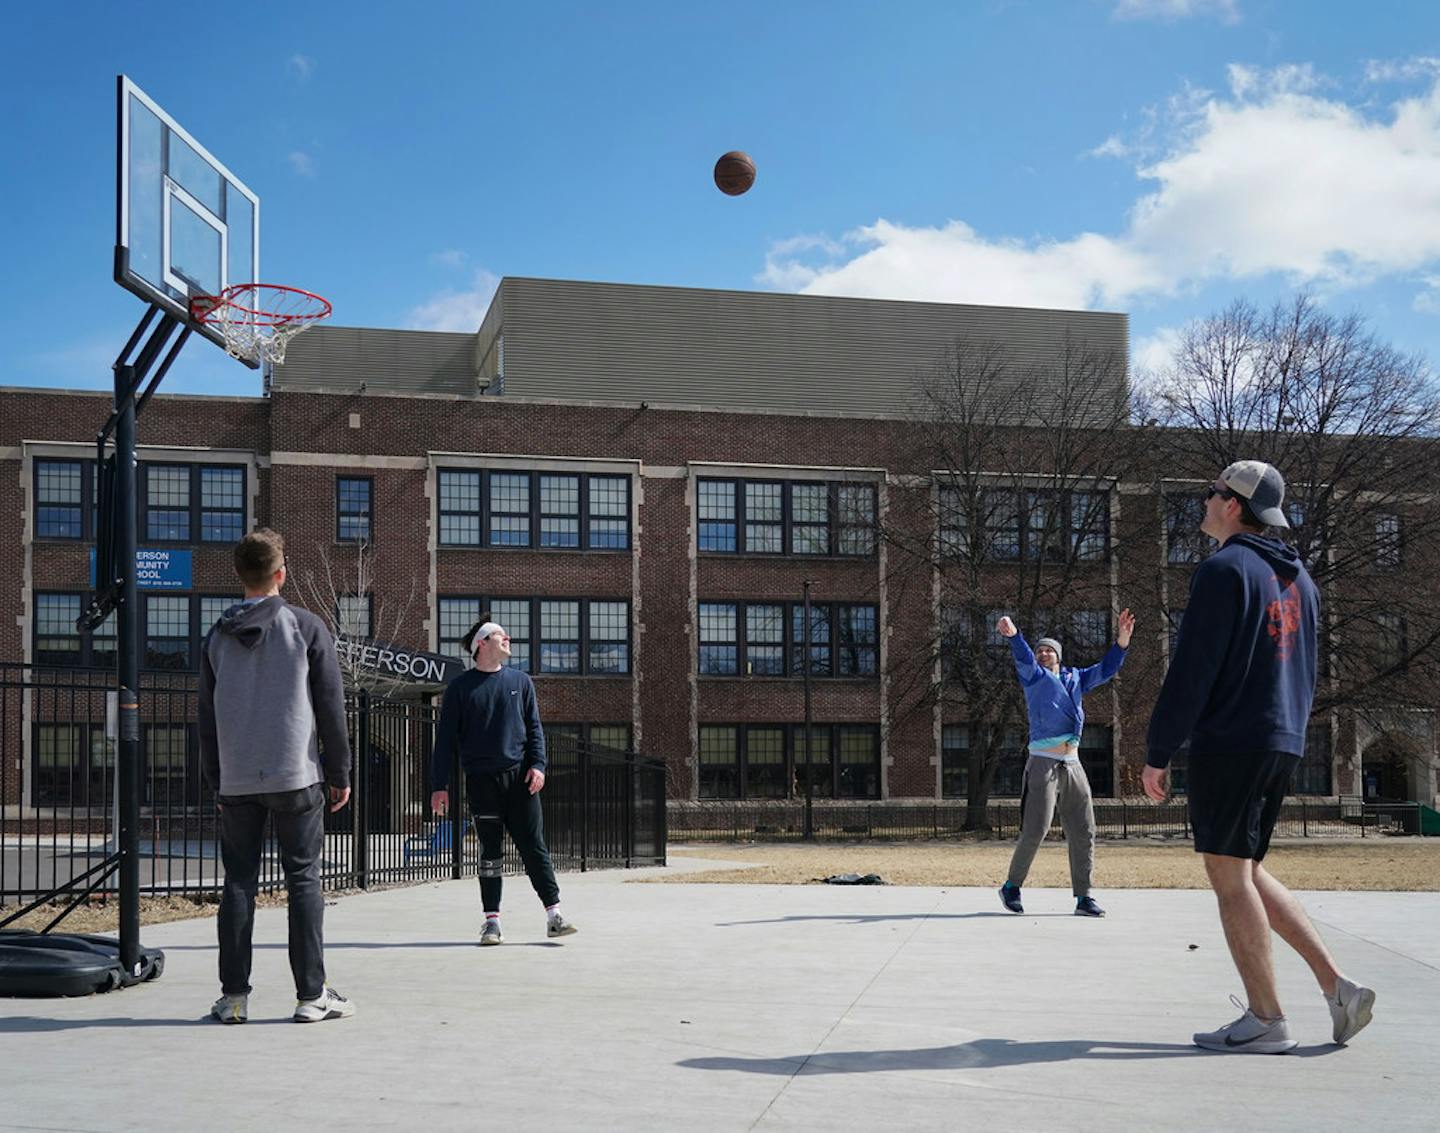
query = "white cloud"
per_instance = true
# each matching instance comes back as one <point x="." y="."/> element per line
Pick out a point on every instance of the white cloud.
<point x="1170" y="11"/>
<point x="456" y="310"/>
<point x="1419" y="68"/>
<point x="1428" y="301"/>
<point x="1271" y="178"/>
<point x="1155" y="352"/>
<point x="301" y="66"/>
<point x="449" y="258"/>
<point x="302" y="163"/>
<point x="1110" y="147"/>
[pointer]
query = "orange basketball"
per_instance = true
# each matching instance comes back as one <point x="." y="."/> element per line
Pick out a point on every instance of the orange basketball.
<point x="734" y="173"/>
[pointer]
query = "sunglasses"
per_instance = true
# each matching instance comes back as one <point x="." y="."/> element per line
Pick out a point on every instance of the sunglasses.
<point x="1224" y="493"/>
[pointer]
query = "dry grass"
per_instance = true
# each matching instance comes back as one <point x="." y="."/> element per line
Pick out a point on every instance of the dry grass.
<point x="1384" y="864"/>
<point x="1381" y="864"/>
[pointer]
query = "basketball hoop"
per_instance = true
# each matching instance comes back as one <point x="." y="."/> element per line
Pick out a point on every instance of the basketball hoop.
<point x="258" y="320"/>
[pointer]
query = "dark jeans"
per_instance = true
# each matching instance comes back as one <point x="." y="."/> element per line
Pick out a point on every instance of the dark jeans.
<point x="299" y="821"/>
<point x="500" y="801"/>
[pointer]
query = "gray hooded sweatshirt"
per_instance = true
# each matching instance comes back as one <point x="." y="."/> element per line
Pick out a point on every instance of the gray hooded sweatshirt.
<point x="270" y="688"/>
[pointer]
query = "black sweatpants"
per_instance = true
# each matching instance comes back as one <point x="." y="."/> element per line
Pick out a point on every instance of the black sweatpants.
<point x="299" y="821"/>
<point x="500" y="801"/>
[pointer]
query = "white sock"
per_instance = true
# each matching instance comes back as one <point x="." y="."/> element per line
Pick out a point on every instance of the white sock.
<point x="552" y="911"/>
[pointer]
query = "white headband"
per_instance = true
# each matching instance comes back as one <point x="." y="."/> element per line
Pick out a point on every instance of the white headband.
<point x="483" y="632"/>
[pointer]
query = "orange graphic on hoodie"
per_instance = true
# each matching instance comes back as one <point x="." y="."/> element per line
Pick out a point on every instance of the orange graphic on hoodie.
<point x="1283" y="616"/>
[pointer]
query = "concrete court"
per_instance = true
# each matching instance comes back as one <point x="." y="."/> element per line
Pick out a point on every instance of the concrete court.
<point x="710" y="1007"/>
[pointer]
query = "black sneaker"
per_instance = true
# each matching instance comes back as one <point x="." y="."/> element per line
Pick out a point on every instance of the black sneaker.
<point x="1010" y="898"/>
<point x="1086" y="907"/>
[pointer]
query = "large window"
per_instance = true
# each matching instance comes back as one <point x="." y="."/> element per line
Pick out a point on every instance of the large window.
<point x="768" y="761"/>
<point x="1184" y="541"/>
<point x="1033" y="525"/>
<point x="178" y="503"/>
<point x="188" y="503"/>
<point x="353" y="616"/>
<point x="1314" y="772"/>
<point x="775" y="517"/>
<point x="174" y="626"/>
<point x="563" y="742"/>
<point x="61" y="489"/>
<point x="754" y="638"/>
<point x="72" y="766"/>
<point x="354" y="509"/>
<point x="578" y="636"/>
<point x="955" y="747"/>
<point x="565" y="511"/>
<point x="1387" y="541"/>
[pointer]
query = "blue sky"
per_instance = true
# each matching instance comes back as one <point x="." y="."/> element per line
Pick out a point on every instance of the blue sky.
<point x="1159" y="157"/>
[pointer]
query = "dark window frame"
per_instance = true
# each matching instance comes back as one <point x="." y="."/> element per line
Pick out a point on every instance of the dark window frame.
<point x="88" y="489"/>
<point x="831" y="779"/>
<point x="342" y="513"/>
<point x="584" y="516"/>
<point x="1005" y="531"/>
<point x="827" y="614"/>
<point x="536" y="639"/>
<point x="195" y="509"/>
<point x="837" y="530"/>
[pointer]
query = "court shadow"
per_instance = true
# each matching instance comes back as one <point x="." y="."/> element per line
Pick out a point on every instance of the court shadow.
<point x="35" y="1024"/>
<point x="979" y="1054"/>
<point x="868" y="918"/>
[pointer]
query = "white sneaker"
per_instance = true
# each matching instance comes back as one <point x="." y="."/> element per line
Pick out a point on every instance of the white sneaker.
<point x="1248" y="1035"/>
<point x="559" y="926"/>
<point x="1350" y="1009"/>
<point x="330" y="1005"/>
<point x="491" y="933"/>
<point x="236" y="1008"/>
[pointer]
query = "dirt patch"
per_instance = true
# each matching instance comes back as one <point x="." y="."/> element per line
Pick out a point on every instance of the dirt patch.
<point x="1384" y="864"/>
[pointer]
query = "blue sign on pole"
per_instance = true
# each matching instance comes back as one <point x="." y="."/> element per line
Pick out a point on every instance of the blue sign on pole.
<point x="156" y="569"/>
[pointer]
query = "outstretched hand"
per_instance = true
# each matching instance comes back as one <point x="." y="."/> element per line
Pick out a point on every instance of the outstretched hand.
<point x="1006" y="627"/>
<point x="1125" y="627"/>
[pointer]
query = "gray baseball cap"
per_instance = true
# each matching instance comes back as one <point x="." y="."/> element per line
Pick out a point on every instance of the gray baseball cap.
<point x="1261" y="486"/>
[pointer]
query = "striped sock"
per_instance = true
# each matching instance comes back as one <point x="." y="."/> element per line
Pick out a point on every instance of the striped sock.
<point x="552" y="911"/>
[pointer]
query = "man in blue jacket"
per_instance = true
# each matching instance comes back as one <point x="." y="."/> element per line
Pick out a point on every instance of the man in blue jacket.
<point x="1239" y="688"/>
<point x="1053" y="770"/>
<point x="489" y="713"/>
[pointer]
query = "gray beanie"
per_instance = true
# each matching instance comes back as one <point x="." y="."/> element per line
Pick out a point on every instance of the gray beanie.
<point x="1055" y="645"/>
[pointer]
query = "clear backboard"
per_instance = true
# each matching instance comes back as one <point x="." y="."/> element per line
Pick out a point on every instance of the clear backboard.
<point x="185" y="225"/>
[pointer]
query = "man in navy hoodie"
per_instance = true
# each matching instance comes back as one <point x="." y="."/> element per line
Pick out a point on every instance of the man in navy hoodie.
<point x="1239" y="689"/>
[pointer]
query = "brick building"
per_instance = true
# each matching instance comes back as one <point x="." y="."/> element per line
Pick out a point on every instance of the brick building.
<point x="638" y="482"/>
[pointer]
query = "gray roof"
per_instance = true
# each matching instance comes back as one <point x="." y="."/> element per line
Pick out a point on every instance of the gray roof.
<point x="681" y="346"/>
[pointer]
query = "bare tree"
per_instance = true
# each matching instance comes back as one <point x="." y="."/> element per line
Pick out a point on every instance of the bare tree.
<point x="1351" y="423"/>
<point x="343" y="593"/>
<point x="1012" y="517"/>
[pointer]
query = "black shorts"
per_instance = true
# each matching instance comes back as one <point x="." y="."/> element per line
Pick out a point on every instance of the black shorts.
<point x="1235" y="800"/>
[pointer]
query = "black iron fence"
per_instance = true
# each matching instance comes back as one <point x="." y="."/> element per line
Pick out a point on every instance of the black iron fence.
<point x="730" y="822"/>
<point x="58" y="799"/>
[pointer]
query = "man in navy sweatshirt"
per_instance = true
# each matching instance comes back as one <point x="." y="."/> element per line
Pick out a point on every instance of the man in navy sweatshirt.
<point x="1239" y="689"/>
<point x="1053" y="771"/>
<point x="489" y="714"/>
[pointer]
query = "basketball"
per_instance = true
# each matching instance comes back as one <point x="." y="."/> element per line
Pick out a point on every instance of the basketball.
<point x="734" y="173"/>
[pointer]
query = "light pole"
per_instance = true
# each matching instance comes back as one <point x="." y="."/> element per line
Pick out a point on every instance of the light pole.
<point x="809" y="753"/>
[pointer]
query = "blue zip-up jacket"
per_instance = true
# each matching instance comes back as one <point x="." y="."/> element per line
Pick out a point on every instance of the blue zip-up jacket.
<point x="495" y="721"/>
<point x="1242" y="677"/>
<point x="1053" y="700"/>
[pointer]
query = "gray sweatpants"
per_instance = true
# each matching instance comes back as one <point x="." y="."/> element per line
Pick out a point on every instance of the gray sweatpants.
<point x="1046" y="781"/>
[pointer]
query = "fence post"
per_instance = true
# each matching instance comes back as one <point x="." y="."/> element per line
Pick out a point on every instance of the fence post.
<point x="1304" y="820"/>
<point x="583" y="751"/>
<point x="360" y="795"/>
<point x="458" y="803"/>
<point x="1124" y="820"/>
<point x="629" y="809"/>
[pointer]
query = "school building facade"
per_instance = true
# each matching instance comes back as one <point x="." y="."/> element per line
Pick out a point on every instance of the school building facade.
<point x="639" y="483"/>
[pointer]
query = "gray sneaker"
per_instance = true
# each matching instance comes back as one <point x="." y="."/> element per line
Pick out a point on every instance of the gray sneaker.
<point x="330" y="1005"/>
<point x="491" y="933"/>
<point x="559" y="926"/>
<point x="1350" y="1009"/>
<point x="236" y="1009"/>
<point x="1248" y="1035"/>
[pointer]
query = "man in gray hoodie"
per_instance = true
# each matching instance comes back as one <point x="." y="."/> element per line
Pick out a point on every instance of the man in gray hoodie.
<point x="270" y="688"/>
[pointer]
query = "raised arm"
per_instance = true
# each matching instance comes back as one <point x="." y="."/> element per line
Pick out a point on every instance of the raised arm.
<point x="1026" y="667"/>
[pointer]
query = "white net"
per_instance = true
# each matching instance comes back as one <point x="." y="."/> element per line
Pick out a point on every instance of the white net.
<point x="258" y="320"/>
